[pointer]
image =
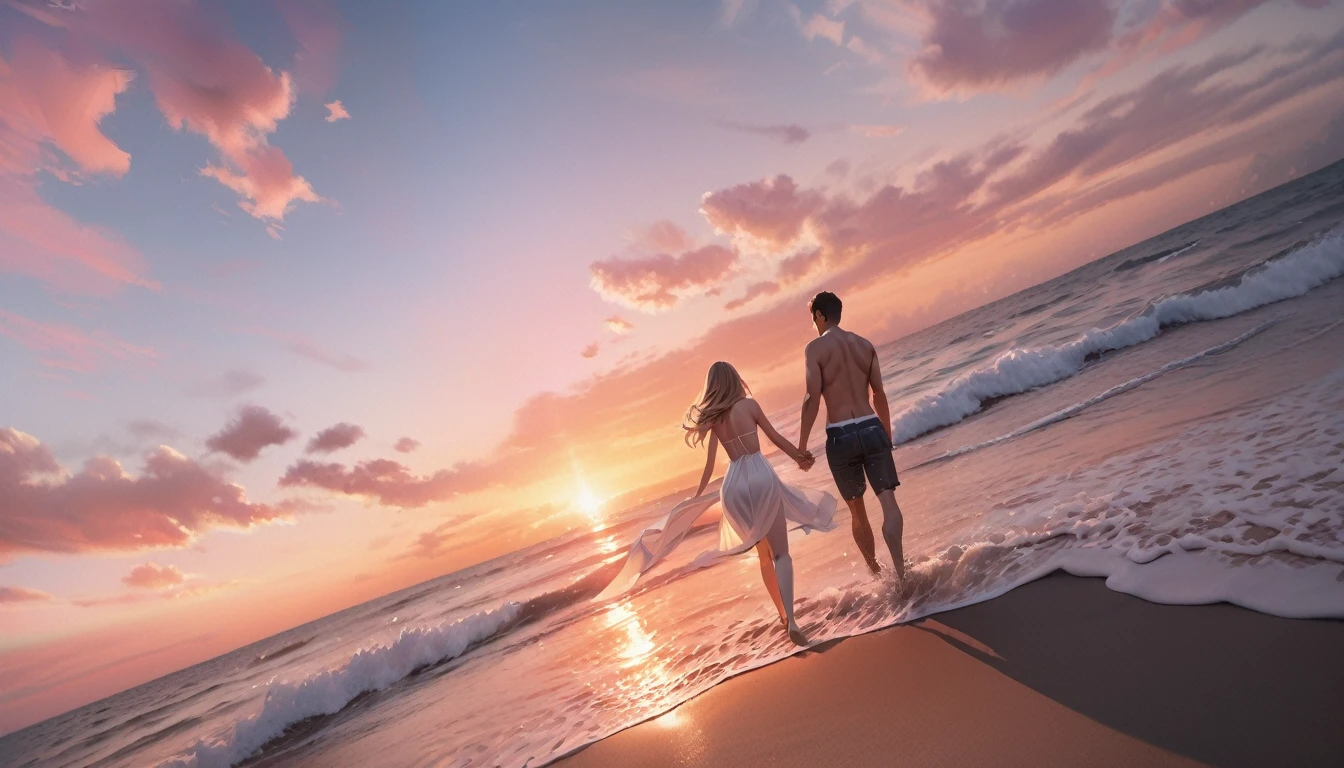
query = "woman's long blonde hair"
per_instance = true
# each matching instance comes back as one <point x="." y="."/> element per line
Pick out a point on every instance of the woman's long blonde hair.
<point x="723" y="388"/>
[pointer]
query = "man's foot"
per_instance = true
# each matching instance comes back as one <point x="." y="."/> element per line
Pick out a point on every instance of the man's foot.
<point x="873" y="567"/>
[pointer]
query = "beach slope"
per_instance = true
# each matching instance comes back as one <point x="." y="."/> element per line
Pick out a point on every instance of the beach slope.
<point x="1062" y="671"/>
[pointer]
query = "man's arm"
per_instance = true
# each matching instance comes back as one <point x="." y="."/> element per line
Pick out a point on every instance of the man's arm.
<point x="880" y="405"/>
<point x="812" y="400"/>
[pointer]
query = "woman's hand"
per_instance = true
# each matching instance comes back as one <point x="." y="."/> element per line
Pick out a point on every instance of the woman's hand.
<point x="805" y="459"/>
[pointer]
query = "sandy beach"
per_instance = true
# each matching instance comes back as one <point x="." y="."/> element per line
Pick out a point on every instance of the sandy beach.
<point x="1062" y="671"/>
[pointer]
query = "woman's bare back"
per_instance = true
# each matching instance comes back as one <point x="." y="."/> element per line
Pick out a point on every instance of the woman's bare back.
<point x="737" y="430"/>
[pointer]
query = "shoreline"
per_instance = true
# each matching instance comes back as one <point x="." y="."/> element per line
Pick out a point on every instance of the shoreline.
<point x="1061" y="671"/>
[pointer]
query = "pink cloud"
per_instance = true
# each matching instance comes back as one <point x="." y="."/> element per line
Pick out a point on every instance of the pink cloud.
<point x="335" y="438"/>
<point x="49" y="101"/>
<point x="1002" y="185"/>
<point x="788" y="134"/>
<point x="618" y="325"/>
<point x="251" y="431"/>
<point x="904" y="225"/>
<point x="10" y="595"/>
<point x="663" y="236"/>
<point x="48" y="244"/>
<point x="153" y="576"/>
<point x="265" y="179"/>
<point x="127" y="598"/>
<point x="1176" y="104"/>
<point x="658" y="282"/>
<point x="986" y="45"/>
<point x="336" y="111"/>
<point x="101" y="508"/>
<point x="66" y="348"/>
<point x="1176" y="23"/>
<point x="589" y="352"/>
<point x="432" y="543"/>
<point x="970" y="47"/>
<point x="753" y="291"/>
<point x="800" y="265"/>
<point x="772" y="210"/>
<point x="46" y="98"/>
<point x="406" y="445"/>
<point x="383" y="480"/>
<point x="207" y="83"/>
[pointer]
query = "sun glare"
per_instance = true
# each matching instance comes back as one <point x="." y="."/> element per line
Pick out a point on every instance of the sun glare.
<point x="588" y="503"/>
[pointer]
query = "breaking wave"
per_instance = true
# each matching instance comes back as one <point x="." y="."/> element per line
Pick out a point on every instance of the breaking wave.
<point x="1022" y="369"/>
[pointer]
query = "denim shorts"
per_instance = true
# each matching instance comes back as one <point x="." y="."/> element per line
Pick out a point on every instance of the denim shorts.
<point x="855" y="450"/>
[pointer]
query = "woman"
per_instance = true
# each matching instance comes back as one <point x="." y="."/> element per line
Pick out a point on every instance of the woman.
<point x="756" y="503"/>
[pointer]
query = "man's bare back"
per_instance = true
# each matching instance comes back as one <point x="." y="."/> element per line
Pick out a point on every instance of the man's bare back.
<point x="845" y="361"/>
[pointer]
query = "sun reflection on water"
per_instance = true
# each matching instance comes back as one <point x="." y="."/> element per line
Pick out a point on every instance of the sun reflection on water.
<point x="642" y="681"/>
<point x="638" y="644"/>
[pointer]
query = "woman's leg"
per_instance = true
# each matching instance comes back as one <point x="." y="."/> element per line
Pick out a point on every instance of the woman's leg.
<point x="767" y="560"/>
<point x="778" y="538"/>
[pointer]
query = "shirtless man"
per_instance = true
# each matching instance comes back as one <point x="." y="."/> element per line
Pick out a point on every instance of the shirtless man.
<point x="841" y="369"/>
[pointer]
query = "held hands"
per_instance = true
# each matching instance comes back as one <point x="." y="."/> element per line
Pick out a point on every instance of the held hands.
<point x="805" y="459"/>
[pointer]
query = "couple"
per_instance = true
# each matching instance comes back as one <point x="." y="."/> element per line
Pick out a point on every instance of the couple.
<point x="842" y="368"/>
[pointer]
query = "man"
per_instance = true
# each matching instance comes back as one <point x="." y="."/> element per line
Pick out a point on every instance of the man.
<point x="841" y="369"/>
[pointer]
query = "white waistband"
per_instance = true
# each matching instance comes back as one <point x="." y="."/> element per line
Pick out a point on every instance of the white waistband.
<point x="847" y="422"/>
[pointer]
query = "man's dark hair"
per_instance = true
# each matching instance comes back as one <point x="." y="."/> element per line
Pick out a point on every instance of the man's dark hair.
<point x="828" y="304"/>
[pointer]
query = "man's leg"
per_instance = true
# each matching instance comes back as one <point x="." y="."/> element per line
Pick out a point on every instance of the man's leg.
<point x="893" y="527"/>
<point x="863" y="533"/>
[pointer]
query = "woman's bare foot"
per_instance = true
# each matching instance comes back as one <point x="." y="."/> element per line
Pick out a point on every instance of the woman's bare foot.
<point x="796" y="635"/>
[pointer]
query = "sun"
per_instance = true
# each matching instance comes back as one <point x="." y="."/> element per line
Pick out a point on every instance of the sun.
<point x="587" y="502"/>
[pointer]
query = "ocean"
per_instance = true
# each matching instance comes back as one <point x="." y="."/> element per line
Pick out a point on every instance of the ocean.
<point x="1169" y="417"/>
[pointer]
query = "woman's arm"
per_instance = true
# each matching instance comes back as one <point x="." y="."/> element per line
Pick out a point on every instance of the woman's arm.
<point x="769" y="429"/>
<point x="709" y="463"/>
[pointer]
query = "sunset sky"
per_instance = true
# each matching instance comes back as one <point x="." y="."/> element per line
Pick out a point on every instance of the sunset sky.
<point x="301" y="303"/>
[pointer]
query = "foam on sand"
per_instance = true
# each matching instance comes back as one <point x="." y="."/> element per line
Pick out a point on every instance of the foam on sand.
<point x="1019" y="370"/>
<point x="1248" y="509"/>
<point x="327" y="692"/>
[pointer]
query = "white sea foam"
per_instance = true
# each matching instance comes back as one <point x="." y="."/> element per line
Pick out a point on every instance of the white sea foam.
<point x="1174" y="254"/>
<point x="327" y="692"/>
<point x="1248" y="510"/>
<point x="1019" y="370"/>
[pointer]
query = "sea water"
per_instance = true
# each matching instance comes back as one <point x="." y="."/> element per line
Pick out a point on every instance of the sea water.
<point x="1170" y="417"/>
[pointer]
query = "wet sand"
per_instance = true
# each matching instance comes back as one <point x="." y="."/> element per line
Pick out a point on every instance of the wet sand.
<point x="1062" y="671"/>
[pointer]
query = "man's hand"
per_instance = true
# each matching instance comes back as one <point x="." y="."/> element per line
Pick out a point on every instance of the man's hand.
<point x="806" y="460"/>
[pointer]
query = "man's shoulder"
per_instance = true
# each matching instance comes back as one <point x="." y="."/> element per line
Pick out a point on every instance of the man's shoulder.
<point x="815" y="345"/>
<point x="861" y="341"/>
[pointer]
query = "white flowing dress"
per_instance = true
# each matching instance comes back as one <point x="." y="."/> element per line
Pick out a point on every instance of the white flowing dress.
<point x="752" y="497"/>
